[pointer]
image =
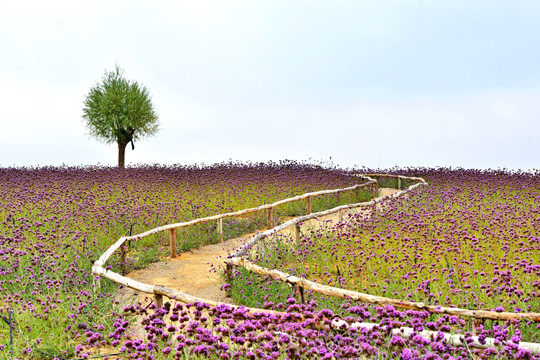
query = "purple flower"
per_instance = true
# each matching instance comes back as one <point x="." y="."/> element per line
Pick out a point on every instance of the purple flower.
<point x="406" y="354"/>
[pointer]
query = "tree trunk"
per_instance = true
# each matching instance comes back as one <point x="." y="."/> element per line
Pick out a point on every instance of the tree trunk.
<point x="121" y="155"/>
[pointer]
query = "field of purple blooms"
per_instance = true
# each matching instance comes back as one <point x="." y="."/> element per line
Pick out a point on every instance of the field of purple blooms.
<point x="470" y="239"/>
<point x="56" y="221"/>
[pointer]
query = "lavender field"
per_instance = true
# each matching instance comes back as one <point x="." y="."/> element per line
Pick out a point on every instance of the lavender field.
<point x="470" y="239"/>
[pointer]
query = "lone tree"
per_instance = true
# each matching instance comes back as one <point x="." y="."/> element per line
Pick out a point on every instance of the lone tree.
<point x="121" y="111"/>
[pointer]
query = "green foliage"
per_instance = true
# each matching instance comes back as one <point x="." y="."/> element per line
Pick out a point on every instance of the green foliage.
<point x="119" y="110"/>
<point x="246" y="288"/>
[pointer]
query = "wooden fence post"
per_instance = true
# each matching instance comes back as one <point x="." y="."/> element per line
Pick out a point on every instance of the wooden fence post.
<point x="228" y="271"/>
<point x="123" y="253"/>
<point x="172" y="237"/>
<point x="374" y="189"/>
<point x="297" y="232"/>
<point x="399" y="183"/>
<point x="96" y="284"/>
<point x="300" y="294"/>
<point x="270" y="218"/>
<point x="158" y="300"/>
<point x="220" y="228"/>
<point x="229" y="277"/>
<point x="309" y="204"/>
<point x="338" y="197"/>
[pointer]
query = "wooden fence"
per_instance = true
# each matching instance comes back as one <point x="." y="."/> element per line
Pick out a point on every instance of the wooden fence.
<point x="159" y="291"/>
<point x="237" y="259"/>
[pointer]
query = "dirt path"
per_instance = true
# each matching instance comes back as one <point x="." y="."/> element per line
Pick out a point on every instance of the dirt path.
<point x="194" y="272"/>
<point x="197" y="272"/>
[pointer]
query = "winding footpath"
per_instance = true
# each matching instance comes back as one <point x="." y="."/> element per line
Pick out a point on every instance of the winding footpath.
<point x="197" y="272"/>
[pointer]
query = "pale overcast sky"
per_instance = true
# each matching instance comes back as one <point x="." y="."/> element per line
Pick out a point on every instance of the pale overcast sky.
<point x="368" y="83"/>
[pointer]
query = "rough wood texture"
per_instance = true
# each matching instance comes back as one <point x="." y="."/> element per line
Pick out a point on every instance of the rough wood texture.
<point x="301" y="298"/>
<point x="123" y="255"/>
<point x="271" y="217"/>
<point x="158" y="300"/>
<point x="220" y="229"/>
<point x="122" y="280"/>
<point x="107" y="254"/>
<point x="172" y="238"/>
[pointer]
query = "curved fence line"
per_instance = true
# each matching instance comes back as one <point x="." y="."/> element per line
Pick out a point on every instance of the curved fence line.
<point x="159" y="291"/>
<point x="237" y="260"/>
<point x="98" y="264"/>
<point x="379" y="300"/>
<point x="297" y="220"/>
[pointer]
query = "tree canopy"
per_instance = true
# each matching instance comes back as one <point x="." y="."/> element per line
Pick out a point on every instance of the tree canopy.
<point x="119" y="110"/>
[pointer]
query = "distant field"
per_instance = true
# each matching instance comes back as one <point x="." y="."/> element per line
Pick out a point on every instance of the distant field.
<point x="470" y="239"/>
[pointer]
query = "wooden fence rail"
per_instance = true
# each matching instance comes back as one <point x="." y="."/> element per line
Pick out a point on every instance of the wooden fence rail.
<point x="379" y="300"/>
